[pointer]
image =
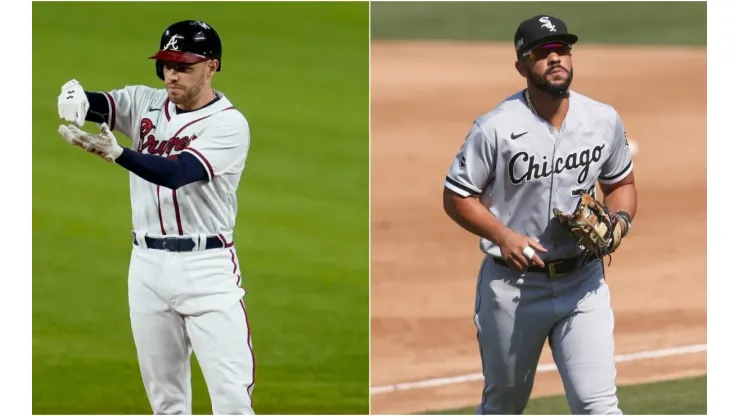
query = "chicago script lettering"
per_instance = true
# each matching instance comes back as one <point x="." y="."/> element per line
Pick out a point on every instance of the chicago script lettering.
<point x="539" y="169"/>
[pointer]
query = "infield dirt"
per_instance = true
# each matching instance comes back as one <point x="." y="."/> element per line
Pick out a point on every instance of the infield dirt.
<point x="424" y="97"/>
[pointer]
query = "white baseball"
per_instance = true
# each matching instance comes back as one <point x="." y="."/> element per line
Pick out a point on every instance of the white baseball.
<point x="528" y="252"/>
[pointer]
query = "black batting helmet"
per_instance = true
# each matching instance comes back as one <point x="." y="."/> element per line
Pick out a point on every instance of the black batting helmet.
<point x="189" y="42"/>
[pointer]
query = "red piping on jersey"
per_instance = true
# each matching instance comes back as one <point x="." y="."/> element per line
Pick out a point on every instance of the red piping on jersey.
<point x="167" y="109"/>
<point x="159" y="208"/>
<point x="177" y="211"/>
<point x="188" y="124"/>
<point x="112" y="103"/>
<point x="203" y="158"/>
<point x="167" y="114"/>
<point x="251" y="350"/>
<point x="249" y="331"/>
<point x="227" y="245"/>
<point x="233" y="261"/>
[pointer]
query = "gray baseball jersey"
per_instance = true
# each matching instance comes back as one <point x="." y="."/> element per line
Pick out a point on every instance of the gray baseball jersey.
<point x="521" y="168"/>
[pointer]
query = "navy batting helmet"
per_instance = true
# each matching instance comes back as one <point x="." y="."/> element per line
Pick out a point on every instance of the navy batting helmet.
<point x="188" y="42"/>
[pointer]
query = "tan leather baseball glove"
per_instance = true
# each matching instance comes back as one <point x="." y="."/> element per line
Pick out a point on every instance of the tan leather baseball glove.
<point x="593" y="226"/>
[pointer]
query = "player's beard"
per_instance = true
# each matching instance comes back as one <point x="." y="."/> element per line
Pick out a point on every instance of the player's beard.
<point x="559" y="90"/>
<point x="188" y="95"/>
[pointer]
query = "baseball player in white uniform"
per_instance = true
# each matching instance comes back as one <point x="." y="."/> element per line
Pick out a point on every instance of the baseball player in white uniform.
<point x="189" y="148"/>
<point x="528" y="156"/>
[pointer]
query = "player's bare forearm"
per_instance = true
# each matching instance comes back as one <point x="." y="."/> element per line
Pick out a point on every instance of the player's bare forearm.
<point x="471" y="215"/>
<point x="621" y="196"/>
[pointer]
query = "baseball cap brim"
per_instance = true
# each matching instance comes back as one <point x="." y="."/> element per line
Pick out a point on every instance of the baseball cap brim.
<point x="567" y="38"/>
<point x="179" y="57"/>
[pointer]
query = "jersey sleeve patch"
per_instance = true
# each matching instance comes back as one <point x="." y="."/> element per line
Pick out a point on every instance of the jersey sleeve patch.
<point x="474" y="165"/>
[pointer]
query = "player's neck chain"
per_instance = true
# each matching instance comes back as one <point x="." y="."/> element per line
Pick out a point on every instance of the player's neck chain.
<point x="528" y="100"/>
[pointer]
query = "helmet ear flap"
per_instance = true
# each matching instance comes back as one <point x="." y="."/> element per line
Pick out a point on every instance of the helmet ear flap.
<point x="160" y="69"/>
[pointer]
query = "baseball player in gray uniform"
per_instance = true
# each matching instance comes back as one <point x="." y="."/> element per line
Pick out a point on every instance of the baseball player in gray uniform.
<point x="532" y="154"/>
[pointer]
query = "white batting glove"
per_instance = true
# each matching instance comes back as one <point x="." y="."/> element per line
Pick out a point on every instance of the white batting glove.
<point x="103" y="144"/>
<point x="72" y="103"/>
<point x="73" y="138"/>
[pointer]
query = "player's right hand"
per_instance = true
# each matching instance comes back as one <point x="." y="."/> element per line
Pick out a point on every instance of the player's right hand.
<point x="103" y="144"/>
<point x="72" y="103"/>
<point x="513" y="247"/>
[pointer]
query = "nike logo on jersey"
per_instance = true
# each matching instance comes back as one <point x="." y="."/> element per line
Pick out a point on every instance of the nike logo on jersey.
<point x="516" y="136"/>
<point x="154" y="109"/>
<point x="523" y="167"/>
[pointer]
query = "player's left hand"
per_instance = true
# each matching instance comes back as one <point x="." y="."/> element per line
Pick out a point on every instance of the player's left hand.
<point x="103" y="144"/>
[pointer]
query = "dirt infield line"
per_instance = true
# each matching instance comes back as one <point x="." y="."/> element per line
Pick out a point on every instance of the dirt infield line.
<point x="542" y="368"/>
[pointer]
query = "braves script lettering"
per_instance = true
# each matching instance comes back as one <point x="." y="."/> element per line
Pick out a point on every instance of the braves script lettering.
<point x="149" y="144"/>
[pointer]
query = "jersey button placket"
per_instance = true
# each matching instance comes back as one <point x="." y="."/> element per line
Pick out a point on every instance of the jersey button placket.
<point x="554" y="188"/>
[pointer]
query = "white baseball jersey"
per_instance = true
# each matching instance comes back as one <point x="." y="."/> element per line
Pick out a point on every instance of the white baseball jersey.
<point x="521" y="168"/>
<point x="218" y="135"/>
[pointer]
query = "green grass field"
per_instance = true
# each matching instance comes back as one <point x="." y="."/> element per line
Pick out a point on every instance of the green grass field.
<point x="677" y="397"/>
<point x="299" y="73"/>
<point x="682" y="23"/>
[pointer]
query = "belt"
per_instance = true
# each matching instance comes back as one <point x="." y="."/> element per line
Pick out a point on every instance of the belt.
<point x="179" y="244"/>
<point x="555" y="268"/>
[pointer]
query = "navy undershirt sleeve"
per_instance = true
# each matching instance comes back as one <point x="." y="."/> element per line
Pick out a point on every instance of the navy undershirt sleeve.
<point x="99" y="110"/>
<point x="170" y="173"/>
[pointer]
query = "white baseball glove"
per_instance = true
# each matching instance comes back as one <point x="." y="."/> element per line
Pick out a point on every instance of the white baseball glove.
<point x="72" y="103"/>
<point x="103" y="144"/>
